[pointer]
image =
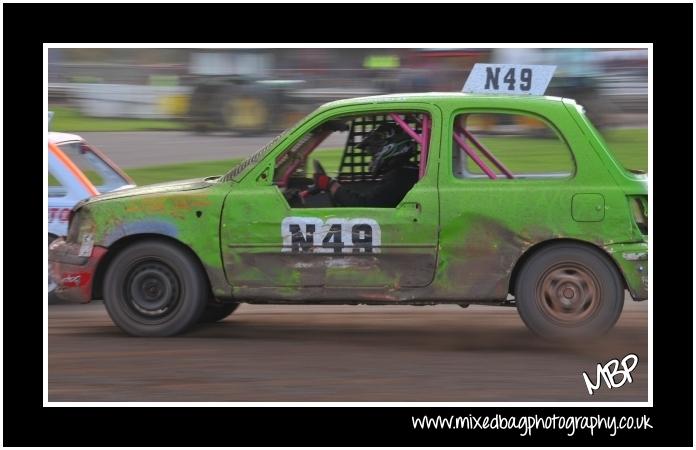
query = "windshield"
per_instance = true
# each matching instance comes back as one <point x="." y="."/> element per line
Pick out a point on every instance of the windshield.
<point x="256" y="157"/>
<point x="101" y="172"/>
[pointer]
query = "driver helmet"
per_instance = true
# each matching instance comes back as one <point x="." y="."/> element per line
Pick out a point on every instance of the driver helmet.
<point x="390" y="147"/>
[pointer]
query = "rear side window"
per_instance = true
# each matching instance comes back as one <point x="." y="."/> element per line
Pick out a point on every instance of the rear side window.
<point x="499" y="146"/>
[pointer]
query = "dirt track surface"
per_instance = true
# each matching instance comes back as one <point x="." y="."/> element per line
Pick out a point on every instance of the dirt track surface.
<point x="337" y="353"/>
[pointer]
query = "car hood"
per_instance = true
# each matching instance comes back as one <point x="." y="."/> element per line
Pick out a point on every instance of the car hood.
<point x="160" y="188"/>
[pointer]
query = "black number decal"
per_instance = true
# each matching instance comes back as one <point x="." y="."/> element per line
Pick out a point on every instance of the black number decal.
<point x="492" y="78"/>
<point x="333" y="239"/>
<point x="300" y="242"/>
<point x="526" y="78"/>
<point x="510" y="79"/>
<point x="362" y="238"/>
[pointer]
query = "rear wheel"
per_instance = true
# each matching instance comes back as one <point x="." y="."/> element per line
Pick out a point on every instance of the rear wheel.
<point x="569" y="291"/>
<point x="155" y="288"/>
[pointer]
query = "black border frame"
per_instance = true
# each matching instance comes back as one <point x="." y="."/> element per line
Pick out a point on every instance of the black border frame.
<point x="27" y="26"/>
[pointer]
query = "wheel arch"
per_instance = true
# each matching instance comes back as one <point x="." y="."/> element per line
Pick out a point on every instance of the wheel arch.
<point x="129" y="240"/>
<point x="536" y="248"/>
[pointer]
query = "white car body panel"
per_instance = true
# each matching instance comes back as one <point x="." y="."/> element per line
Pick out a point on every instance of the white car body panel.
<point x="61" y="199"/>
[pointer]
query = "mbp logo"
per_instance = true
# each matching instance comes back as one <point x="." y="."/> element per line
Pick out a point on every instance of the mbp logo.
<point x="311" y="234"/>
<point x="610" y="371"/>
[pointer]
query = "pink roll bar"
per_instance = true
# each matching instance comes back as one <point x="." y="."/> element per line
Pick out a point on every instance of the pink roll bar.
<point x="406" y="128"/>
<point x="424" y="147"/>
<point x="469" y="151"/>
<point x="487" y="153"/>
<point x="423" y="139"/>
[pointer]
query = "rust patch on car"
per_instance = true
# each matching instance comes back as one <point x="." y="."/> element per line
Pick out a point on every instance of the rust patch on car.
<point x="378" y="296"/>
<point x="481" y="263"/>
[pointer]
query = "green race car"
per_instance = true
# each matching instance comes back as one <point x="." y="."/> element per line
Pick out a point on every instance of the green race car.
<point x="515" y="200"/>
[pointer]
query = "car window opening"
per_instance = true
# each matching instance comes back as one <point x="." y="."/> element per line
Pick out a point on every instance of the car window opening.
<point x="383" y="156"/>
<point x="507" y="146"/>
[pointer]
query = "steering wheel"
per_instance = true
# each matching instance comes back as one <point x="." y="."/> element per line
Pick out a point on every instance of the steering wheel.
<point x="314" y="189"/>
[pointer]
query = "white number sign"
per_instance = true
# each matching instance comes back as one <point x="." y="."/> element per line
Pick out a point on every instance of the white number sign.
<point x="510" y="79"/>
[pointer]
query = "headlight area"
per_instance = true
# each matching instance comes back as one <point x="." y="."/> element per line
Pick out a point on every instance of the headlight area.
<point x="639" y="208"/>
<point x="74" y="224"/>
<point x="78" y="246"/>
<point x="73" y="260"/>
<point x="81" y="229"/>
<point x="632" y="259"/>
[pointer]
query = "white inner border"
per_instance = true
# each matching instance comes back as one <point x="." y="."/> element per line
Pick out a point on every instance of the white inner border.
<point x="649" y="403"/>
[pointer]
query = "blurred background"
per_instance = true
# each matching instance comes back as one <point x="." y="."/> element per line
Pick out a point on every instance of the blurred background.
<point x="146" y="107"/>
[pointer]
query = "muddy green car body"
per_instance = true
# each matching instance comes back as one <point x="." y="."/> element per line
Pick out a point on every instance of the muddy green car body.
<point x="450" y="240"/>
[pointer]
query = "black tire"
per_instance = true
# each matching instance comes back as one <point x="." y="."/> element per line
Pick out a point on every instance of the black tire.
<point x="569" y="291"/>
<point x="214" y="312"/>
<point x="155" y="288"/>
<point x="52" y="297"/>
<point x="204" y="104"/>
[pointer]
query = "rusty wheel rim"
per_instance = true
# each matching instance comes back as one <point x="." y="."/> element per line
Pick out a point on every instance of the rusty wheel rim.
<point x="568" y="293"/>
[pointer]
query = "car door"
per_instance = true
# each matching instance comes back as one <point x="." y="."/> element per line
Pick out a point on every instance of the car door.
<point x="266" y="242"/>
<point x="508" y="183"/>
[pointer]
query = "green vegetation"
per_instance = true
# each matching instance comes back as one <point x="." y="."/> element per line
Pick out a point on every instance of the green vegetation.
<point x="529" y="155"/>
<point x="70" y="120"/>
<point x="158" y="174"/>
<point x="525" y="155"/>
<point x="172" y="172"/>
<point x="95" y="178"/>
<point x="630" y="146"/>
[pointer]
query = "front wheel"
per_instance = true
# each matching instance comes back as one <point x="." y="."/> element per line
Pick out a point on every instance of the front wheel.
<point x="155" y="288"/>
<point x="569" y="291"/>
